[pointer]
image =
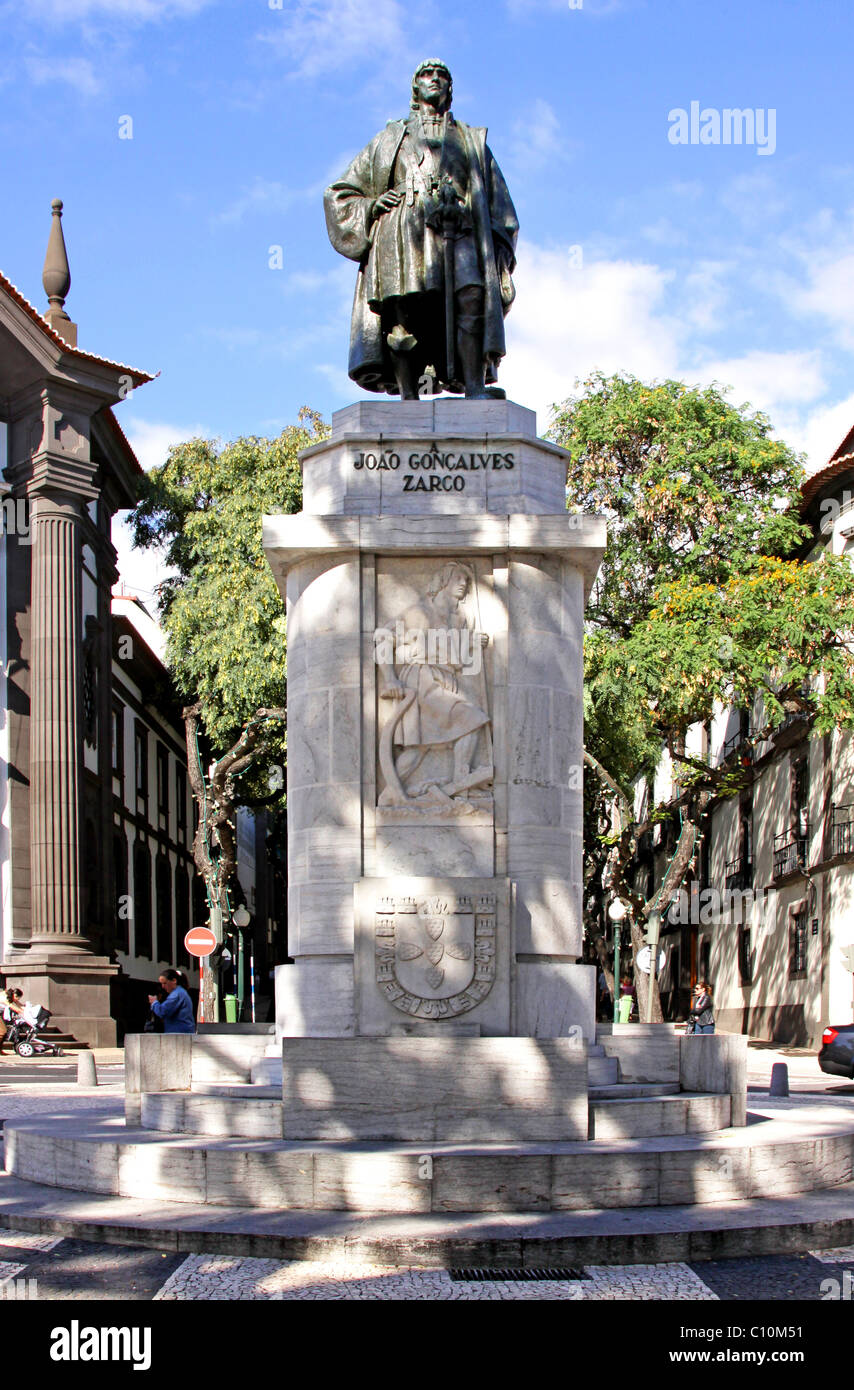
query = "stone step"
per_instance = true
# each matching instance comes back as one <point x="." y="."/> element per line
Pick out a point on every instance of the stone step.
<point x="236" y="1090"/>
<point x="97" y="1153"/>
<point x="633" y="1090"/>
<point x="217" y="1112"/>
<point x="652" y="1116"/>
<point x="603" y="1071"/>
<point x="267" y="1071"/>
<point x="770" y="1225"/>
<point x="66" y="1041"/>
<point x="255" y="1112"/>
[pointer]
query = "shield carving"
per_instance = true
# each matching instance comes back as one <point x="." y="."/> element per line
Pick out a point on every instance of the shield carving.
<point x="434" y="955"/>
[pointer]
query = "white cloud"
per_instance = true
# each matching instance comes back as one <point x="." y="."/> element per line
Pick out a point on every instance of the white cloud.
<point x="140" y="11"/>
<point x="151" y="440"/>
<point x="821" y="432"/>
<point x="568" y="321"/>
<point x="770" y="381"/>
<point x="597" y="9"/>
<point x="704" y="294"/>
<point x="537" y="139"/>
<point x="618" y="315"/>
<point x="77" y="72"/>
<point x="322" y="36"/>
<point x="830" y="292"/>
<point x="755" y="199"/>
<point x="140" y="571"/>
<point x="339" y="278"/>
<point x="264" y="195"/>
<point x="337" y="379"/>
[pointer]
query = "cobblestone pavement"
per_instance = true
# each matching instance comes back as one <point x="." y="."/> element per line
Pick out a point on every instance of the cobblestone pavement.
<point x="46" y="1268"/>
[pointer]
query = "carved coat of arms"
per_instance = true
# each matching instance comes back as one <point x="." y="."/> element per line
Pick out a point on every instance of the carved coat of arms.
<point x="435" y="955"/>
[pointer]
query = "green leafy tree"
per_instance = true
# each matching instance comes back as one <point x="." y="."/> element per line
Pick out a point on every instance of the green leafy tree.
<point x="701" y="602"/>
<point x="225" y="622"/>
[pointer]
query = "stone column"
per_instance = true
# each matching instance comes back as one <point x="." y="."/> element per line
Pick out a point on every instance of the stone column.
<point x="55" y="726"/>
<point x="53" y="465"/>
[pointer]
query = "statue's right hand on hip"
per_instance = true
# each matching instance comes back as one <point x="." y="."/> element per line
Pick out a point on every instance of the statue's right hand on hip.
<point x="385" y="203"/>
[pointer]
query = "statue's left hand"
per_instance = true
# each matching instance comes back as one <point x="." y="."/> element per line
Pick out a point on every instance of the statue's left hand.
<point x="503" y="257"/>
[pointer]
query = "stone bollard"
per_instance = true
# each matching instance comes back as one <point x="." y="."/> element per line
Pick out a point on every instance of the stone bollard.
<point x="779" y="1079"/>
<point x="86" y="1073"/>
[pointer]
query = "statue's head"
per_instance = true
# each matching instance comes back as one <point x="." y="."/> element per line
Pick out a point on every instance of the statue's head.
<point x="454" y="577"/>
<point x="432" y="85"/>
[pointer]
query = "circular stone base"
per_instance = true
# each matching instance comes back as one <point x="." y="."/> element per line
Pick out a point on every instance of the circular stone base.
<point x="787" y="1149"/>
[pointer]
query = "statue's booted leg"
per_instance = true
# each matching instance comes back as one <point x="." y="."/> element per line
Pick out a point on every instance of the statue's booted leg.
<point x="469" y="306"/>
<point x="401" y="343"/>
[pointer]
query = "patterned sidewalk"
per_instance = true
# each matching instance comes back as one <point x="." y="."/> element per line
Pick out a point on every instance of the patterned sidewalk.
<point x="41" y="1268"/>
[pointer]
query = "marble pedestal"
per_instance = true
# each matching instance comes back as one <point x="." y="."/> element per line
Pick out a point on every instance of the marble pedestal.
<point x="431" y="891"/>
<point x="73" y="985"/>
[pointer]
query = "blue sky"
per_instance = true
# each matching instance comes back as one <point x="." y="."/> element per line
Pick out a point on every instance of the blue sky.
<point x="700" y="261"/>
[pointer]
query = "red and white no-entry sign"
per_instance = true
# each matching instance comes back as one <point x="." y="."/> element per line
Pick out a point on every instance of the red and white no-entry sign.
<point x="200" y="941"/>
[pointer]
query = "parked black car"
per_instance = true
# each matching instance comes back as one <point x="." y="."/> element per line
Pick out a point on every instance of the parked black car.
<point x="837" y="1050"/>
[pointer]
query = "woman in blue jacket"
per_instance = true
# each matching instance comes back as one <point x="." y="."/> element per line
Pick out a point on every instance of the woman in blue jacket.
<point x="176" y="1010"/>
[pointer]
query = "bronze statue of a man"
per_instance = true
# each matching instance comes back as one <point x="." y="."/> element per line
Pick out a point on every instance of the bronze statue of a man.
<point x="425" y="211"/>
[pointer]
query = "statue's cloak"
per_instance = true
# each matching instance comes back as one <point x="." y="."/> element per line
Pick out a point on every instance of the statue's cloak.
<point x="348" y="203"/>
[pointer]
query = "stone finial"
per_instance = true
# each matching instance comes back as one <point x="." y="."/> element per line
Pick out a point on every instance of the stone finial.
<point x="56" y="278"/>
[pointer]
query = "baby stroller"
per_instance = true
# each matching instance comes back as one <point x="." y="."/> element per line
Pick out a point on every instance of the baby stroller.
<point x="23" y="1035"/>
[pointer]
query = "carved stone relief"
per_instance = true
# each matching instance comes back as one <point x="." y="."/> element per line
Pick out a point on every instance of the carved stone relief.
<point x="435" y="956"/>
<point x="434" y="725"/>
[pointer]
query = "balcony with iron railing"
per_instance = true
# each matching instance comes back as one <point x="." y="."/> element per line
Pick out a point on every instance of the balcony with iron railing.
<point x="795" y="723"/>
<point x="791" y="850"/>
<point x="842" y="830"/>
<point x="738" y="874"/>
<point x="737" y="748"/>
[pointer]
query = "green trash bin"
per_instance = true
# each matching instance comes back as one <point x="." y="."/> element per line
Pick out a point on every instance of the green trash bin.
<point x="230" y="1001"/>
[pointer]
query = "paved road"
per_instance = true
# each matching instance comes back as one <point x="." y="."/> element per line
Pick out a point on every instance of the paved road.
<point x="42" y="1268"/>
<point x="52" y="1071"/>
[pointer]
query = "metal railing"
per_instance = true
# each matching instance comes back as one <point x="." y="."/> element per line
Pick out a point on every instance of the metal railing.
<point x="736" y="742"/>
<point x="842" y="830"/>
<point x="738" y="875"/>
<point x="791" y="849"/>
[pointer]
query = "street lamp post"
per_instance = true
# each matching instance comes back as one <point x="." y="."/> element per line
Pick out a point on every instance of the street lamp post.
<point x="652" y="935"/>
<point x="617" y="912"/>
<point x="241" y="919"/>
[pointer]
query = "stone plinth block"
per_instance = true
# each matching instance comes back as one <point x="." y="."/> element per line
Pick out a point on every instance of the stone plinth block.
<point x="645" y="1052"/>
<point x="155" y="1062"/>
<point x="717" y="1070"/>
<point x="434" y="1089"/>
<point x="434" y="951"/>
<point x="290" y="541"/>
<point x="226" y="1057"/>
<point x="553" y="998"/>
<point x="395" y="457"/>
<point x="315" y="998"/>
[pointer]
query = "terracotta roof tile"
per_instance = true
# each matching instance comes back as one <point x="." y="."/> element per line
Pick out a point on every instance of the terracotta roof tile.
<point x="841" y="462"/>
<point x="139" y="378"/>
